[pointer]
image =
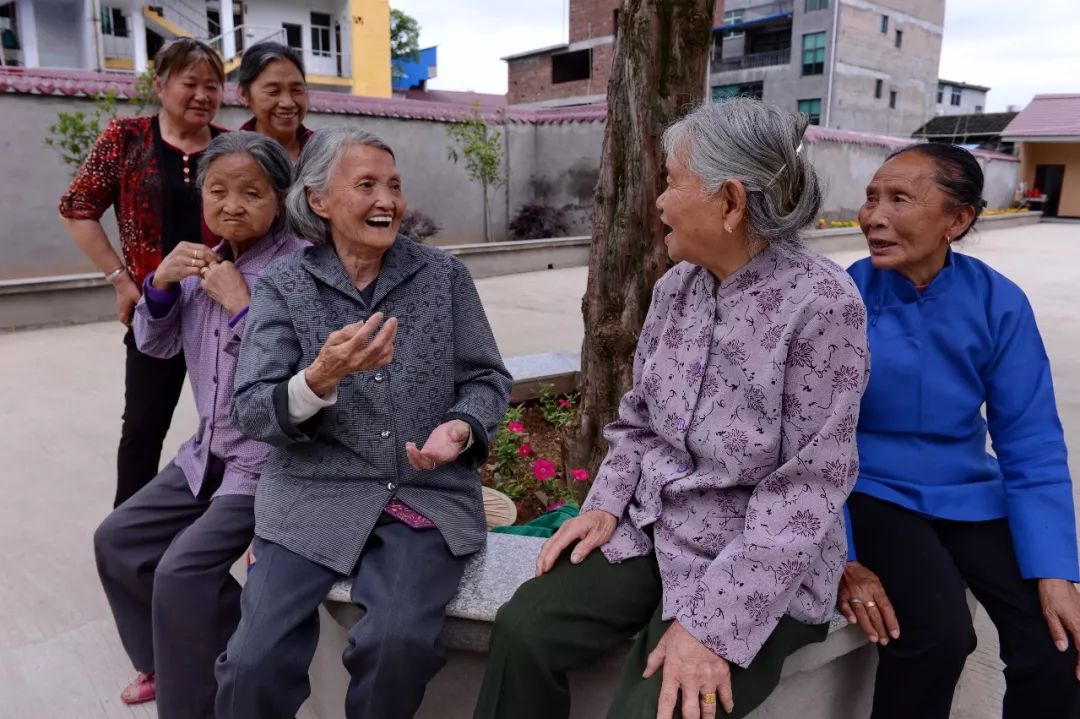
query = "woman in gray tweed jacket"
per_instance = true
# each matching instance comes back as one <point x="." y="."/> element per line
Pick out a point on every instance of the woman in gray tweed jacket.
<point x="369" y="363"/>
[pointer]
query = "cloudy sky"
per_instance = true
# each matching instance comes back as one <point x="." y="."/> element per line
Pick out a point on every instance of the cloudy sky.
<point x="1018" y="49"/>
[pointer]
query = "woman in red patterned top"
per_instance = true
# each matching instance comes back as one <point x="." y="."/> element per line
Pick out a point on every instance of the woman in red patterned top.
<point x="144" y="167"/>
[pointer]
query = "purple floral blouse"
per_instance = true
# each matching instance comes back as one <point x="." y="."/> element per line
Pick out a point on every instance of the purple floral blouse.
<point x="737" y="444"/>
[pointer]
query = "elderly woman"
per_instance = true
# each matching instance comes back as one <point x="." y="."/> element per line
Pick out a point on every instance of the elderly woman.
<point x="358" y="350"/>
<point x="933" y="512"/>
<point x="164" y="555"/>
<point x="144" y="167"/>
<point x="273" y="87"/>
<point x="718" y="507"/>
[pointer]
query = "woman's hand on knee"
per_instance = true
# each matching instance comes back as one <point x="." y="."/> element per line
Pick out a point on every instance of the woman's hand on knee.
<point x="589" y="529"/>
<point x="863" y="601"/>
<point x="1060" y="604"/>
<point x="693" y="670"/>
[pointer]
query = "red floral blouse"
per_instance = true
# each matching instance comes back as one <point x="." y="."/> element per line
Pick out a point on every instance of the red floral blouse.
<point x="122" y="172"/>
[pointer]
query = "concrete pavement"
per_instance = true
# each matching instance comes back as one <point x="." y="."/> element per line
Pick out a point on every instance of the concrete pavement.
<point x="60" y="403"/>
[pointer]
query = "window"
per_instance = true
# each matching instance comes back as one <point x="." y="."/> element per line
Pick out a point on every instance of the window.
<point x="892" y="99"/>
<point x="899" y="38"/>
<point x="113" y="22"/>
<point x="940" y="94"/>
<point x="812" y="5"/>
<point x="730" y="18"/>
<point x="294" y="36"/>
<point x="615" y="22"/>
<point x="978" y="108"/>
<point x="571" y="66"/>
<point x="813" y="53"/>
<point x="747" y="89"/>
<point x="812" y="109"/>
<point x="954" y="99"/>
<point x="884" y="24"/>
<point x="775" y="41"/>
<point x="320" y="34"/>
<point x="877" y="88"/>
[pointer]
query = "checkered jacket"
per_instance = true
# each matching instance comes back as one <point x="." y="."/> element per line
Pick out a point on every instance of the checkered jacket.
<point x="327" y="480"/>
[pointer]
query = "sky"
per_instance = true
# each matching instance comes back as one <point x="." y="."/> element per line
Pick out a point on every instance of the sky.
<point x="1017" y="49"/>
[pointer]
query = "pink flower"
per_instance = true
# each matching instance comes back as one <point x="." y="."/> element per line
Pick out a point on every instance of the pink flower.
<point x="516" y="427"/>
<point x="554" y="505"/>
<point x="580" y="475"/>
<point x="565" y="403"/>
<point x="543" y="470"/>
<point x="525" y="450"/>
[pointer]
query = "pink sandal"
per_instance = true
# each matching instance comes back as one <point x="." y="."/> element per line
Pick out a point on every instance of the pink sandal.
<point x="141" y="690"/>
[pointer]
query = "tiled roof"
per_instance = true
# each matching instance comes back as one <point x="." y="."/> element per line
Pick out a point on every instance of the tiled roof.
<point x="986" y="123"/>
<point x="1047" y="116"/>
<point x="824" y="134"/>
<point x="451" y="107"/>
<point x="483" y="99"/>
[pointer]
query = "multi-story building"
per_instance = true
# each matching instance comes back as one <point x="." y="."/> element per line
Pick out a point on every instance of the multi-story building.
<point x="345" y="43"/>
<point x="959" y="98"/>
<point x="866" y="65"/>
<point x="575" y="72"/>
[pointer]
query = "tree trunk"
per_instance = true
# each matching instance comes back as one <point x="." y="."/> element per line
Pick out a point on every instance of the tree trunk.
<point x="658" y="74"/>
<point x="487" y="237"/>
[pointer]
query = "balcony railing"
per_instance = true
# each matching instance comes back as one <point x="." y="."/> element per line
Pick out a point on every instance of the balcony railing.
<point x="758" y="59"/>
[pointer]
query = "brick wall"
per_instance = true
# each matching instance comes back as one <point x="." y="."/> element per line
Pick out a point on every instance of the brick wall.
<point x="529" y="78"/>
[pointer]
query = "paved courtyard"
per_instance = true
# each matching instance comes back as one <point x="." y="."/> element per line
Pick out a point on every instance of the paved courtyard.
<point x="60" y="404"/>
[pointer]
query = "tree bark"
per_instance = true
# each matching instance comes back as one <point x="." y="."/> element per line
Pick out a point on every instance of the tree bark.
<point x="658" y="74"/>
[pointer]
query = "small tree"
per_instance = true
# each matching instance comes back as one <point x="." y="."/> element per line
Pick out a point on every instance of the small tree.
<point x="480" y="145"/>
<point x="404" y="40"/>
<point x="74" y="133"/>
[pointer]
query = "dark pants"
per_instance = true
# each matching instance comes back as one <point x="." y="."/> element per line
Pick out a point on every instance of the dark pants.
<point x="575" y="614"/>
<point x="164" y="559"/>
<point x="404" y="580"/>
<point x="151" y="389"/>
<point x="924" y="565"/>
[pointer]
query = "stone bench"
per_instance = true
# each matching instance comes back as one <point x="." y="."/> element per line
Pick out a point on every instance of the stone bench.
<point x="830" y="680"/>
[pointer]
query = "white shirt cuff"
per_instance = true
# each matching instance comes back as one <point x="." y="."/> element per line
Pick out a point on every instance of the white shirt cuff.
<point x="303" y="403"/>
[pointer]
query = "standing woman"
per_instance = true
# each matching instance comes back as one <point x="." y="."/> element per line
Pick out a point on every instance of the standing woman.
<point x="273" y="86"/>
<point x="933" y="512"/>
<point x="144" y="167"/>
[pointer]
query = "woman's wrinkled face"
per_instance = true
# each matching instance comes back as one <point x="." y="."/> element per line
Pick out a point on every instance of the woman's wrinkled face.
<point x="364" y="202"/>
<point x="278" y="98"/>
<point x="239" y="203"/>
<point x="907" y="216"/>
<point x="693" y="216"/>
<point x="192" y="95"/>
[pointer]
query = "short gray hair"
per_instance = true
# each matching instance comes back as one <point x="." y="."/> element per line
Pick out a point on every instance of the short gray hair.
<point x="318" y="160"/>
<point x="267" y="154"/>
<point x="759" y="145"/>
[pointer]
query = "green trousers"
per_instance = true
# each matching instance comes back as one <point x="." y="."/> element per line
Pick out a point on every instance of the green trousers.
<point x="574" y="614"/>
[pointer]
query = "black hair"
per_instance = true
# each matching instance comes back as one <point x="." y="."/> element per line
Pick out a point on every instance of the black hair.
<point x="261" y="54"/>
<point x="958" y="175"/>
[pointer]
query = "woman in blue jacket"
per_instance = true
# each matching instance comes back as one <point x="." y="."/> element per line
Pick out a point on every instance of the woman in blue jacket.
<point x="933" y="512"/>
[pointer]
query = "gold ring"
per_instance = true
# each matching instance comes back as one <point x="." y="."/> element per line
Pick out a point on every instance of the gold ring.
<point x="855" y="602"/>
<point x="870" y="604"/>
<point x="709" y="698"/>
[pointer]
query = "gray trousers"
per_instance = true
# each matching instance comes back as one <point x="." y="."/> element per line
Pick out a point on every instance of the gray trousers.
<point x="404" y="580"/>
<point x="164" y="557"/>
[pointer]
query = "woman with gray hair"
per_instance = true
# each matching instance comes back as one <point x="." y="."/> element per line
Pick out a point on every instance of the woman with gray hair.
<point x="359" y="350"/>
<point x="718" y="507"/>
<point x="164" y="555"/>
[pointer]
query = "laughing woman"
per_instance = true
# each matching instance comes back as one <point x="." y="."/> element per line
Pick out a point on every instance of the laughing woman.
<point x="358" y="349"/>
<point x="164" y="555"/>
<point x="273" y="86"/>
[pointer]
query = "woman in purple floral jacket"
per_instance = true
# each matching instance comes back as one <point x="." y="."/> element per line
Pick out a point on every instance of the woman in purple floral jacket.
<point x="718" y="508"/>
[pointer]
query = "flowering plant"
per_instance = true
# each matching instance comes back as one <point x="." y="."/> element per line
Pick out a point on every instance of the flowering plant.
<point x="559" y="412"/>
<point x="521" y="473"/>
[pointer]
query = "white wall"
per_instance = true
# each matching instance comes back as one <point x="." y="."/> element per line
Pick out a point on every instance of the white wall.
<point x="269" y="15"/>
<point x="971" y="101"/>
<point x="60" y="34"/>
